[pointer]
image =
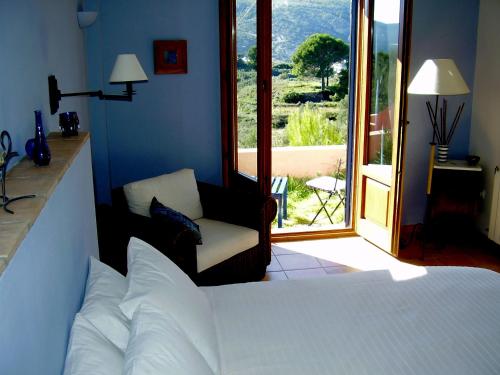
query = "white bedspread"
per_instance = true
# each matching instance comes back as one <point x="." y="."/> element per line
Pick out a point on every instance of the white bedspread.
<point x="445" y="322"/>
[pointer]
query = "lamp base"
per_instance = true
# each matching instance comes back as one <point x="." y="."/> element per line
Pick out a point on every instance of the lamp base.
<point x="442" y="153"/>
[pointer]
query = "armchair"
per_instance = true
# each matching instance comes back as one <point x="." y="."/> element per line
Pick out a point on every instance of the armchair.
<point x="234" y="228"/>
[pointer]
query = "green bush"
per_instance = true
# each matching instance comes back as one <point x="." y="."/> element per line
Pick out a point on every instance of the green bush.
<point x="340" y="88"/>
<point x="310" y="127"/>
<point x="283" y="66"/>
<point x="293" y="97"/>
<point x="247" y="131"/>
<point x="297" y="187"/>
<point x="280" y="121"/>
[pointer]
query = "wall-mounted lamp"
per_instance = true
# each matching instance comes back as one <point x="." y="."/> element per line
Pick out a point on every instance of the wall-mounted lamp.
<point x="127" y="70"/>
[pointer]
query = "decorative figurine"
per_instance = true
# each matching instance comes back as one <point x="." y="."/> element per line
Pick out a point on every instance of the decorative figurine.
<point x="5" y="157"/>
<point x="69" y="123"/>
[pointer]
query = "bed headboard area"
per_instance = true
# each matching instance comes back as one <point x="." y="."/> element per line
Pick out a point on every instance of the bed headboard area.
<point x="44" y="257"/>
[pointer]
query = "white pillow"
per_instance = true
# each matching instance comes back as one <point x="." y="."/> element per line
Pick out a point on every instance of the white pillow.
<point x="155" y="280"/>
<point x="159" y="346"/>
<point x="89" y="352"/>
<point x="177" y="190"/>
<point x="104" y="292"/>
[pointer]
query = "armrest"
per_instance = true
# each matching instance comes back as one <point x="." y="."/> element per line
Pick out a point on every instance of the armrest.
<point x="171" y="240"/>
<point x="117" y="225"/>
<point x="236" y="206"/>
<point x="178" y="246"/>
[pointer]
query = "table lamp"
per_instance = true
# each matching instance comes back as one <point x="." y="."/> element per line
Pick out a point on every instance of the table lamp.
<point x="440" y="77"/>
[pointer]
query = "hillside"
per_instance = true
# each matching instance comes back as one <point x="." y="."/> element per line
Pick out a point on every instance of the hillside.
<point x="293" y="22"/>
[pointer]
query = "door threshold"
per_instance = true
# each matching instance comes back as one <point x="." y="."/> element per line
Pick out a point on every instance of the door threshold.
<point x="289" y="234"/>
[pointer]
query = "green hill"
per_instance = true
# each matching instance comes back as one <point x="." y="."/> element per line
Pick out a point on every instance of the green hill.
<point x="293" y="22"/>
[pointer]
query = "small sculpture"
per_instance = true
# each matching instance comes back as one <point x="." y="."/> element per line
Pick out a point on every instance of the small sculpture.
<point x="69" y="123"/>
<point x="5" y="157"/>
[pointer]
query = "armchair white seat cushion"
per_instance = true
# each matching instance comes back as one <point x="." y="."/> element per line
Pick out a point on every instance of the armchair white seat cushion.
<point x="177" y="190"/>
<point x="221" y="241"/>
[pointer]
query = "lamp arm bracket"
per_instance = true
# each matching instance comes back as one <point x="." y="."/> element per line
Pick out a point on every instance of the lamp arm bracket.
<point x="55" y="94"/>
<point x="84" y="93"/>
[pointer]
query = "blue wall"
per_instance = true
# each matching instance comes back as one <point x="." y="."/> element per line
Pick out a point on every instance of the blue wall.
<point x="174" y="120"/>
<point x="38" y="38"/>
<point x="441" y="29"/>
<point x="42" y="287"/>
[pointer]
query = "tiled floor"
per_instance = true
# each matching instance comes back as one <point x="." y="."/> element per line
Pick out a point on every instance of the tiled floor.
<point x="293" y="260"/>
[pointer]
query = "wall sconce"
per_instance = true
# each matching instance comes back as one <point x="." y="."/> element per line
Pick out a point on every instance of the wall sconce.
<point x="86" y="19"/>
<point x="127" y="70"/>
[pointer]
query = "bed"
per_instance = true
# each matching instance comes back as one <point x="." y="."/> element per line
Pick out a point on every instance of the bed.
<point x="445" y="320"/>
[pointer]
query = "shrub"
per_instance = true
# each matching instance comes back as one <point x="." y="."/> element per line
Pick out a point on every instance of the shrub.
<point x="247" y="131"/>
<point x="293" y="97"/>
<point x="341" y="86"/>
<point x="279" y="121"/>
<point x="283" y="66"/>
<point x="310" y="127"/>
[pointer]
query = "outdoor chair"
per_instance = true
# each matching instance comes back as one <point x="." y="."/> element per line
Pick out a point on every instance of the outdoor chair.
<point x="279" y="191"/>
<point x="333" y="186"/>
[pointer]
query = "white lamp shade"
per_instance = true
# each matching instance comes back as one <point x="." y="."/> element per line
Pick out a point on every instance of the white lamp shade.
<point x="127" y="69"/>
<point x="438" y="77"/>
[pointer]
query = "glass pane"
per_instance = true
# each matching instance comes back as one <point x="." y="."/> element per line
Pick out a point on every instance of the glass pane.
<point x="383" y="87"/>
<point x="246" y="39"/>
<point x="310" y="113"/>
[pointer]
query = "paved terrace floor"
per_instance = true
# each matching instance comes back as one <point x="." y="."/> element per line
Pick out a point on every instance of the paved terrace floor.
<point x="292" y="260"/>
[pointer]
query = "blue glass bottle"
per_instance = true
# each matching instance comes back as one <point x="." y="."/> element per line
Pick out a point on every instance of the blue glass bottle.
<point x="41" y="152"/>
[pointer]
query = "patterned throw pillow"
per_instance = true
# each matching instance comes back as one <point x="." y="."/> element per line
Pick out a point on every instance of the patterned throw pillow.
<point x="171" y="217"/>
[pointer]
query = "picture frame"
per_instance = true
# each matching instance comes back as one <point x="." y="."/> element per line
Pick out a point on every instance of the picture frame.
<point x="170" y="56"/>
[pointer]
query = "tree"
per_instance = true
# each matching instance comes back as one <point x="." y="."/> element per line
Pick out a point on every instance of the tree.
<point x="252" y="57"/>
<point x="316" y="55"/>
<point x="241" y="64"/>
<point x="341" y="87"/>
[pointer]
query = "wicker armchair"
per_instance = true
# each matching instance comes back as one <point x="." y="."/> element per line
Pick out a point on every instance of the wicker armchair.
<point x="117" y="224"/>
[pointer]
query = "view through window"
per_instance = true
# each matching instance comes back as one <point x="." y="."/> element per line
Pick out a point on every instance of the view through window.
<point x="311" y="45"/>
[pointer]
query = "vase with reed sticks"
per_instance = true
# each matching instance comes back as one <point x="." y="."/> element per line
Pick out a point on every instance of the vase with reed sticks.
<point x="442" y="133"/>
<point x="440" y="77"/>
<point x="442" y="153"/>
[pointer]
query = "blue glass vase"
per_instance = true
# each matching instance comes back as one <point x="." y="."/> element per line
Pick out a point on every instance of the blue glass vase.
<point x="41" y="152"/>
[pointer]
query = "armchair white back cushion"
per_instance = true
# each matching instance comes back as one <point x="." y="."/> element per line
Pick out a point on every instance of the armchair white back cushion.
<point x="89" y="352"/>
<point x="104" y="292"/>
<point x="159" y="346"/>
<point x="155" y="280"/>
<point x="177" y="190"/>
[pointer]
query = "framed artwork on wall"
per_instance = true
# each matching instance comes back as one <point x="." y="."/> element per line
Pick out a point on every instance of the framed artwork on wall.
<point x="170" y="56"/>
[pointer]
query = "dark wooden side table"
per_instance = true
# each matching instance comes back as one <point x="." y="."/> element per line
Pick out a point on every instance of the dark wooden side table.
<point x="454" y="200"/>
